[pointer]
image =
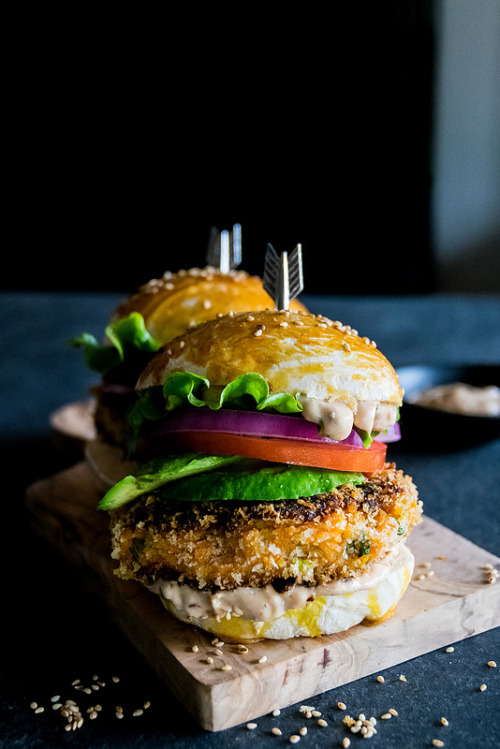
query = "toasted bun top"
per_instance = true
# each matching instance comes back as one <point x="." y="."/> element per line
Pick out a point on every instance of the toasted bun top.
<point x="177" y="301"/>
<point x="296" y="352"/>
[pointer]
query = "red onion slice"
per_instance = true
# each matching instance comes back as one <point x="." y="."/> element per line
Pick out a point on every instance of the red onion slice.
<point x="254" y="423"/>
<point x="392" y="434"/>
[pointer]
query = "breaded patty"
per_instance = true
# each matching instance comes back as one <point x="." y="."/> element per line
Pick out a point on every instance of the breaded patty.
<point x="224" y="545"/>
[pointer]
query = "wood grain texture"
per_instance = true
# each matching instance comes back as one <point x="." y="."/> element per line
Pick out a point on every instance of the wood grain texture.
<point x="454" y="603"/>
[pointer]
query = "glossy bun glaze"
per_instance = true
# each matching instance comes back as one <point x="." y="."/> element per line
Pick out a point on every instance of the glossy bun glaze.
<point x="178" y="301"/>
<point x="296" y="352"/>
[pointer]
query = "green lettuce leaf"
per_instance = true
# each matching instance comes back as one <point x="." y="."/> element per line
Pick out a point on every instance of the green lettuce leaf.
<point x="247" y="391"/>
<point x="125" y="335"/>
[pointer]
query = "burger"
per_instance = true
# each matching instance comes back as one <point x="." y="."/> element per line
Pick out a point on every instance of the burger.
<point x="148" y="319"/>
<point x="260" y="504"/>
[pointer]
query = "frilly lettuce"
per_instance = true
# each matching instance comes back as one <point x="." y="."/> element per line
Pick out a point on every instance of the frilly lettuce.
<point x="247" y="391"/>
<point x="125" y="335"/>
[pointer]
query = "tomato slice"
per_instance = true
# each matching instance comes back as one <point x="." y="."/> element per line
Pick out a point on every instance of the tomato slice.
<point x="280" y="450"/>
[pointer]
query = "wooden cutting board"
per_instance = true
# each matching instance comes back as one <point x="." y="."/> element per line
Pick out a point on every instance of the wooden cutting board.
<point x="453" y="603"/>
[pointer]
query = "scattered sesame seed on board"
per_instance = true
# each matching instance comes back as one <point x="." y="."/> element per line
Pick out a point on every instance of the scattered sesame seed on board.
<point x="251" y="726"/>
<point x="450" y="649"/>
<point x="492" y="664"/>
<point x="483" y="688"/>
<point x="276" y="731"/>
<point x="445" y="722"/>
<point x="294" y="739"/>
<point x="380" y="679"/>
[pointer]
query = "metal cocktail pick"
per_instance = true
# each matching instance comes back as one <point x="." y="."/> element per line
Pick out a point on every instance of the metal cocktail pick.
<point x="224" y="248"/>
<point x="283" y="277"/>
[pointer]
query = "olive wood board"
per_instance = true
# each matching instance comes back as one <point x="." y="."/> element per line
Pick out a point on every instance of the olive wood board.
<point x="454" y="603"/>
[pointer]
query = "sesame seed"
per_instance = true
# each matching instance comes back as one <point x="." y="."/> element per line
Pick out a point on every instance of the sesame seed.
<point x="119" y="709"/>
<point x="303" y="731"/>
<point x="492" y="664"/>
<point x="483" y="687"/>
<point x="146" y="705"/>
<point x="34" y="705"/>
<point x="346" y="743"/>
<point x="276" y="731"/>
<point x="218" y="651"/>
<point x="39" y="709"/>
<point x="380" y="679"/>
<point x="487" y="566"/>
<point x="393" y="712"/>
<point x="437" y="742"/>
<point x="294" y="739"/>
<point x="242" y="648"/>
<point x="136" y="713"/>
<point x="450" y="649"/>
<point x="263" y="659"/>
<point x="402" y="677"/>
<point x="195" y="648"/>
<point x="75" y="682"/>
<point x="386" y="716"/>
<point x="251" y="726"/>
<point x="55" y="698"/>
<point x="322" y="723"/>
<point x="226" y="667"/>
<point x="209" y="660"/>
<point x="341" y="705"/>
<point x="316" y="714"/>
<point x="276" y="712"/>
<point x="119" y="715"/>
<point x="444" y="722"/>
<point x="258" y="332"/>
<point x="57" y="706"/>
<point x="251" y="318"/>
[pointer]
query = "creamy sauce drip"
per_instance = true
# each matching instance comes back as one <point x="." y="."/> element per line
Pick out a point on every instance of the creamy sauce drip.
<point x="462" y="399"/>
<point x="262" y="604"/>
<point x="337" y="418"/>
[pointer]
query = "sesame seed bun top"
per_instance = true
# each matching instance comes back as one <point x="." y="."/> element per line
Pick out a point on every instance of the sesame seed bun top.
<point x="172" y="304"/>
<point x="296" y="352"/>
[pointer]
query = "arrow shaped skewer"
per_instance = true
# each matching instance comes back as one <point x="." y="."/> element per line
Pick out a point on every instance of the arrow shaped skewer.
<point x="283" y="275"/>
<point x="224" y="248"/>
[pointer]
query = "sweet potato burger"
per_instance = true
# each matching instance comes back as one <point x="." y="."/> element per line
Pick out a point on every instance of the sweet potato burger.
<point x="260" y="503"/>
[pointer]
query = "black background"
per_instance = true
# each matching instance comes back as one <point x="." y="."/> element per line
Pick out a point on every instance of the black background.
<point x="127" y="146"/>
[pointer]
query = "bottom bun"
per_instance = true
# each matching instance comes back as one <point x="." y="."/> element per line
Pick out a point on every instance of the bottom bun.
<point x="321" y="614"/>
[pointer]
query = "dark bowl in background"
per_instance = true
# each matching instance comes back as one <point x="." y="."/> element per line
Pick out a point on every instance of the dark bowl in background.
<point x="426" y="427"/>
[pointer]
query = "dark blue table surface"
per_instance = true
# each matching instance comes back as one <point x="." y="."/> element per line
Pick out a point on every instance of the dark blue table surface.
<point x="55" y="631"/>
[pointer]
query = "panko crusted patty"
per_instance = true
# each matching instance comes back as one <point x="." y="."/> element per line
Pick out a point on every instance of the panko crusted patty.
<point x="225" y="545"/>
